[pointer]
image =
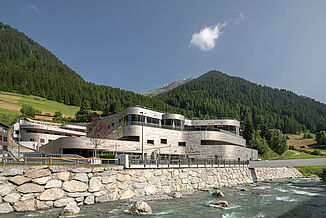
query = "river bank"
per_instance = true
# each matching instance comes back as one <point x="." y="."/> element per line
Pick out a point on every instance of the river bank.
<point x="31" y="188"/>
<point x="299" y="197"/>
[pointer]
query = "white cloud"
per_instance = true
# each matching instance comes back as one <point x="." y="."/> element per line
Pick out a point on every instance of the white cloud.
<point x="35" y="9"/>
<point x="206" y="38"/>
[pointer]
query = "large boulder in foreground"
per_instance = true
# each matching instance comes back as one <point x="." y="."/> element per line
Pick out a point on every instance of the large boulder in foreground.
<point x="218" y="194"/>
<point x="140" y="207"/>
<point x="220" y="203"/>
<point x="70" y="210"/>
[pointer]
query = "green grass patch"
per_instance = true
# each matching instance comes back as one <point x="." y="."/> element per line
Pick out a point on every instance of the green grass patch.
<point x="303" y="155"/>
<point x="308" y="171"/>
<point x="288" y="152"/>
<point x="12" y="102"/>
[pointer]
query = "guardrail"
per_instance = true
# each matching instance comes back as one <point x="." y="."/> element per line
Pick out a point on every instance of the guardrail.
<point x="57" y="161"/>
<point x="132" y="161"/>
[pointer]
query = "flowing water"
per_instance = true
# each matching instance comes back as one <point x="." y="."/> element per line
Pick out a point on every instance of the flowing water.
<point x="305" y="197"/>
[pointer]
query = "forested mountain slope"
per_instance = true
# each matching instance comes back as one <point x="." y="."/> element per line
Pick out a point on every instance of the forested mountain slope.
<point x="28" y="68"/>
<point x="216" y="94"/>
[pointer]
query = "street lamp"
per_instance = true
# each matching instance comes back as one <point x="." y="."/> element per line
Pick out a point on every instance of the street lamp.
<point x="142" y="135"/>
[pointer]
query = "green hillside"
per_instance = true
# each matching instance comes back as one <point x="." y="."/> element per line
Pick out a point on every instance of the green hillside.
<point x="216" y="94"/>
<point x="10" y="105"/>
<point x="28" y="68"/>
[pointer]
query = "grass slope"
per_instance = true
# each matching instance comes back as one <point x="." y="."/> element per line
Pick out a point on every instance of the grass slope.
<point x="10" y="104"/>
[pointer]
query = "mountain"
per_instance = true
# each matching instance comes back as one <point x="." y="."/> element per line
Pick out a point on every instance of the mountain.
<point x="166" y="87"/>
<point x="216" y="94"/>
<point x="28" y="68"/>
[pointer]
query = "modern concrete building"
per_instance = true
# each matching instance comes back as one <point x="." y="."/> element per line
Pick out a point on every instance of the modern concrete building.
<point x="33" y="134"/>
<point x="4" y="136"/>
<point x="139" y="130"/>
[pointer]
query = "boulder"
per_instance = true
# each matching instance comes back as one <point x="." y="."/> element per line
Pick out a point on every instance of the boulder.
<point x="218" y="194"/>
<point x="15" y="172"/>
<point x="81" y="170"/>
<point x="12" y="198"/>
<point x="64" y="176"/>
<point x="70" y="210"/>
<point x="56" y="169"/>
<point x="19" y="180"/>
<point x="140" y="207"/>
<point x="54" y="183"/>
<point x="74" y="186"/>
<point x="108" y="179"/>
<point x="6" y="188"/>
<point x="37" y="173"/>
<point x="52" y="194"/>
<point x="42" y="180"/>
<point x="6" y="208"/>
<point x="102" y="199"/>
<point x="98" y="169"/>
<point x="122" y="177"/>
<point x="95" y="184"/>
<point x="3" y="179"/>
<point x="177" y="195"/>
<point x="63" y="202"/>
<point x="78" y="194"/>
<point x="89" y="200"/>
<point x="41" y="205"/>
<point x="49" y="203"/>
<point x="220" y="203"/>
<point x="22" y="206"/>
<point x="127" y="194"/>
<point x="30" y="188"/>
<point x="81" y="177"/>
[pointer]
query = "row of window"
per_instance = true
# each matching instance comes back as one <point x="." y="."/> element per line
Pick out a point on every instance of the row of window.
<point x="48" y="133"/>
<point x="165" y="141"/>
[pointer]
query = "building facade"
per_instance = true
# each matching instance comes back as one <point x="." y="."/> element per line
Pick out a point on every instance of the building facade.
<point x="33" y="134"/>
<point x="4" y="137"/>
<point x="139" y="130"/>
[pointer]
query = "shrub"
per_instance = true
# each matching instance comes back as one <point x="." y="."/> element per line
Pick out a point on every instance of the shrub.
<point x="316" y="152"/>
<point x="321" y="138"/>
<point x="291" y="147"/>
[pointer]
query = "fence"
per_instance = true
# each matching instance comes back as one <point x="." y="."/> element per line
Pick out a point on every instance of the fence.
<point x="136" y="161"/>
<point x="56" y="160"/>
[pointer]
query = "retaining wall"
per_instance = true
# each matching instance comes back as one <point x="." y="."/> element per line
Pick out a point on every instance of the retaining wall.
<point x="32" y="188"/>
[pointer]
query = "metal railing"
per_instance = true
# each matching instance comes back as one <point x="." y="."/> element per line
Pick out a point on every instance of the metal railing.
<point x="194" y="128"/>
<point x="56" y="161"/>
<point x="136" y="161"/>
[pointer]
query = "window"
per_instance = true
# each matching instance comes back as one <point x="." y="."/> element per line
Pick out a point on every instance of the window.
<point x="31" y="139"/>
<point x="152" y="120"/>
<point x="5" y="139"/>
<point x="150" y="142"/>
<point x="31" y="131"/>
<point x="164" y="141"/>
<point x="112" y="124"/>
<point x="42" y="140"/>
<point x="183" y="144"/>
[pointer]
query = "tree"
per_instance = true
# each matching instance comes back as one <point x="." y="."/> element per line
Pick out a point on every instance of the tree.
<point x="259" y="143"/>
<point x="277" y="141"/>
<point x="321" y="138"/>
<point x="58" y="116"/>
<point x="29" y="111"/>
<point x="97" y="131"/>
<point x="248" y="131"/>
<point x="84" y="113"/>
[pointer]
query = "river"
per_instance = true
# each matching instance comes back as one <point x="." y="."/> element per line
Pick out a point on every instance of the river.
<point x="304" y="197"/>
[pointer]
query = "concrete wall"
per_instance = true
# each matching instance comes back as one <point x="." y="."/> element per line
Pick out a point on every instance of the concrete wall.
<point x="43" y="187"/>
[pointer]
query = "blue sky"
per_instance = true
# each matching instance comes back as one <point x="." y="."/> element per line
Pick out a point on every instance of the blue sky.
<point x="139" y="45"/>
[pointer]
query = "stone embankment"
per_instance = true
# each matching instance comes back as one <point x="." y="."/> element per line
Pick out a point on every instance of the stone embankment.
<point x="41" y="187"/>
